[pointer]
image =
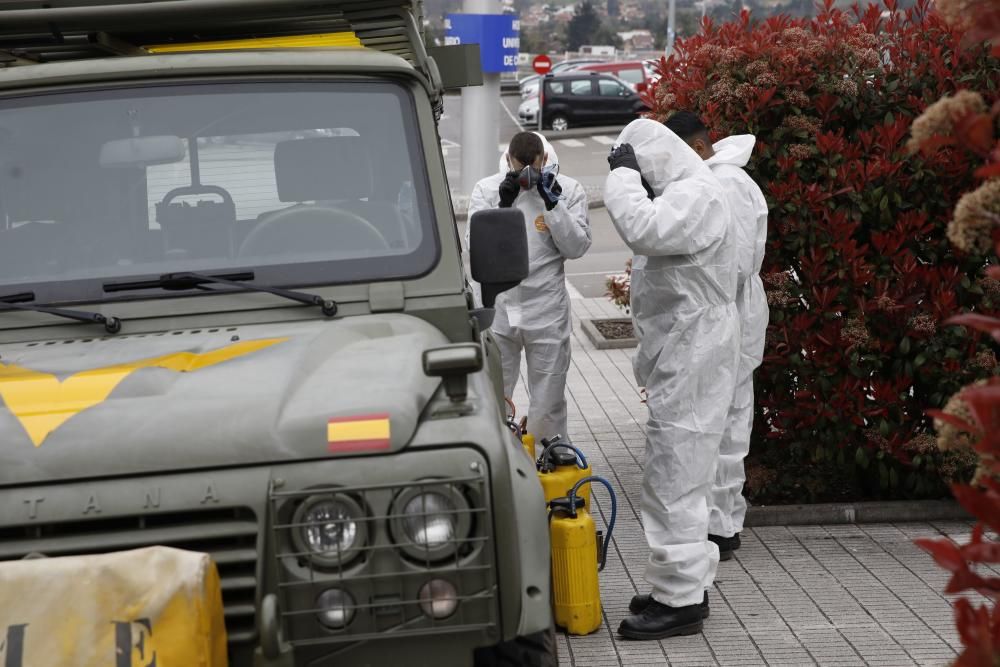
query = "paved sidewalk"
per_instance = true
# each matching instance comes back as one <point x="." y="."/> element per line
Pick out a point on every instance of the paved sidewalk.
<point x="813" y="595"/>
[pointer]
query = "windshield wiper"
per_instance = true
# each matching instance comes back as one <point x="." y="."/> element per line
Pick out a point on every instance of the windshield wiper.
<point x="187" y="280"/>
<point x="17" y="302"/>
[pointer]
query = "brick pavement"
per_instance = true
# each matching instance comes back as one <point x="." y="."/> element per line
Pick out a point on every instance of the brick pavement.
<point x="802" y="595"/>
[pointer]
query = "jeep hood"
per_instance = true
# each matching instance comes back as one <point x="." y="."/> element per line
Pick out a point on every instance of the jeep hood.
<point x="212" y="397"/>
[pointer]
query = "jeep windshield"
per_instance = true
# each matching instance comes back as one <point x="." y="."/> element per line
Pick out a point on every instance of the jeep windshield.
<point x="305" y="183"/>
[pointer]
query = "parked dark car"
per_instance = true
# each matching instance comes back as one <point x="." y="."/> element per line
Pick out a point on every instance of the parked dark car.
<point x="578" y="98"/>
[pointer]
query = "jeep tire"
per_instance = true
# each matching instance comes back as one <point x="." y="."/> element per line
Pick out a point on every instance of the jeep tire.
<point x="537" y="650"/>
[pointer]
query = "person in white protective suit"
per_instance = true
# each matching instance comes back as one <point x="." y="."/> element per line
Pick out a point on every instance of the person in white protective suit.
<point x="727" y="158"/>
<point x="670" y="210"/>
<point x="535" y="315"/>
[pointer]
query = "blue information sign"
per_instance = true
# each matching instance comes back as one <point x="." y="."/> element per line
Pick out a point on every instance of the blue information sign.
<point x="496" y="35"/>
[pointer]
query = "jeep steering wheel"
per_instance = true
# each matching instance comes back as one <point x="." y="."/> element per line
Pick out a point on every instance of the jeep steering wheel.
<point x="320" y="226"/>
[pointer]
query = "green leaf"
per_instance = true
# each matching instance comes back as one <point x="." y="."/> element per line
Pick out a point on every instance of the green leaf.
<point x="889" y="118"/>
<point x="893" y="478"/>
<point x="884" y="429"/>
<point x="861" y="458"/>
<point x="904" y="345"/>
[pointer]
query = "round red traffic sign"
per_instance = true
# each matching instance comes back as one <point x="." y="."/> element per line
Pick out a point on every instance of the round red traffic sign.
<point x="542" y="64"/>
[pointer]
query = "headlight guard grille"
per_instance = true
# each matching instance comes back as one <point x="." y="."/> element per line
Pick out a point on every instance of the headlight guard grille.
<point x="384" y="575"/>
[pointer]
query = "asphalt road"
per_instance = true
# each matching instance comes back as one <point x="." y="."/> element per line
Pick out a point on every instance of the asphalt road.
<point x="581" y="157"/>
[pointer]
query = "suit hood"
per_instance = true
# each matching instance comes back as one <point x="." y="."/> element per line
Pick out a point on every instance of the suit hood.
<point x="553" y="159"/>
<point x="663" y="156"/>
<point x="734" y="150"/>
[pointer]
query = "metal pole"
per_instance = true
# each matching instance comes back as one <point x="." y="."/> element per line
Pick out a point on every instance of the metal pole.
<point x="671" y="26"/>
<point x="480" y="115"/>
<point x="541" y="98"/>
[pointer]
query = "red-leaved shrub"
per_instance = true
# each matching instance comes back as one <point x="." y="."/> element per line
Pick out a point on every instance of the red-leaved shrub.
<point x="971" y="418"/>
<point x="859" y="271"/>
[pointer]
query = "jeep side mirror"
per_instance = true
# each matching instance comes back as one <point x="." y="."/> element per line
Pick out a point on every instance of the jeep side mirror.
<point x="498" y="251"/>
<point x="453" y="364"/>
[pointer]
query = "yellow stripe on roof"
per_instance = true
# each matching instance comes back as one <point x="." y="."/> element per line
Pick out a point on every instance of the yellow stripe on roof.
<point x="330" y="39"/>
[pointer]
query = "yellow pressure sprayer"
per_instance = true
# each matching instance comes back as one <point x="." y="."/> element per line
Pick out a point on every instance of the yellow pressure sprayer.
<point x="575" y="590"/>
<point x="560" y="467"/>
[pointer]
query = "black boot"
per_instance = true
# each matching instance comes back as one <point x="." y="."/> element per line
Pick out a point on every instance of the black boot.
<point x="658" y="621"/>
<point x="727" y="545"/>
<point x="639" y="602"/>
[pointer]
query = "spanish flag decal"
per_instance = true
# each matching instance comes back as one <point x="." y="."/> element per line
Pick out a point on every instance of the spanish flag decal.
<point x="360" y="433"/>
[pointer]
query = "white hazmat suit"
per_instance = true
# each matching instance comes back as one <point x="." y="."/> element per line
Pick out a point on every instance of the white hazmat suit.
<point x="683" y="305"/>
<point x="749" y="211"/>
<point x="535" y="315"/>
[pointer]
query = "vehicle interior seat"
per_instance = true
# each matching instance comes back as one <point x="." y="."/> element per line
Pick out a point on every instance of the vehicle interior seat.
<point x="204" y="229"/>
<point x="331" y="182"/>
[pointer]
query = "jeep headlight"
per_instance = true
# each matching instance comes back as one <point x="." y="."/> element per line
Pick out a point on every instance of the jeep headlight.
<point x="438" y="598"/>
<point x="329" y="529"/>
<point x="336" y="608"/>
<point x="430" y="522"/>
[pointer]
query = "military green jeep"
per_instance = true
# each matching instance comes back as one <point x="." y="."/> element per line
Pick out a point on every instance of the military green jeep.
<point x="234" y="319"/>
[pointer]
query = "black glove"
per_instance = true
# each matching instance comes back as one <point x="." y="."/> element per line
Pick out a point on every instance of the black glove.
<point x="550" y="195"/>
<point x="623" y="156"/>
<point x="647" y="188"/>
<point x="509" y="189"/>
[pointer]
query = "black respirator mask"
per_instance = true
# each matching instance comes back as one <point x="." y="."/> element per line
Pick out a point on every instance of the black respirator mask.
<point x="528" y="178"/>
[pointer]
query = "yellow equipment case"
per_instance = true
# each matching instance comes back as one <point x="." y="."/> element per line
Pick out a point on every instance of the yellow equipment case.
<point x="154" y="606"/>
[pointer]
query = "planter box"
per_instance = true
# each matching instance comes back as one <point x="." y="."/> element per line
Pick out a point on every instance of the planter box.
<point x="596" y="331"/>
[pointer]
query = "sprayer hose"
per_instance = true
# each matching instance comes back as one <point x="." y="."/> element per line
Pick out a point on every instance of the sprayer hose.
<point x="614" y="512"/>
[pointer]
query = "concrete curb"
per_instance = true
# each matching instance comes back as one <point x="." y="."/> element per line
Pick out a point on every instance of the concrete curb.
<point x="893" y="511"/>
<point x="577" y="132"/>
<point x="602" y="343"/>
